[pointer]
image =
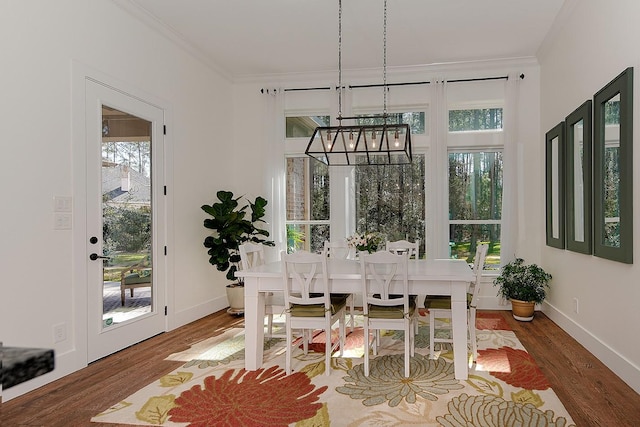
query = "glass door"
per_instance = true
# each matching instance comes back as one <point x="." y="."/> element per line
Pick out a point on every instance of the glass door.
<point x="124" y="207"/>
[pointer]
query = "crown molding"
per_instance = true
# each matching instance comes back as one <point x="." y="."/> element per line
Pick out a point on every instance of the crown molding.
<point x="152" y="22"/>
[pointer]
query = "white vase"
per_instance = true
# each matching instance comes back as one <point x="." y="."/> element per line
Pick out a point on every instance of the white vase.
<point x="235" y="297"/>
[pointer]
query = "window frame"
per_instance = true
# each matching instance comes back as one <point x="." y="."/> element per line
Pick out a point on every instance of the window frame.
<point x="493" y="149"/>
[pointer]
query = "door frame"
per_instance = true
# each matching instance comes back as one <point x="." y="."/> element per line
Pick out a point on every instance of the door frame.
<point x="80" y="74"/>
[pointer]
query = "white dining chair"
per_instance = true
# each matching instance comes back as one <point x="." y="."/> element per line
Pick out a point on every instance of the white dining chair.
<point x="440" y="307"/>
<point x="402" y="246"/>
<point x="340" y="249"/>
<point x="310" y="304"/>
<point x="252" y="255"/>
<point x="384" y="310"/>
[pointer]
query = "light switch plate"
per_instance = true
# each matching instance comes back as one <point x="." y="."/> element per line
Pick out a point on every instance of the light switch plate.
<point x="62" y="204"/>
<point x="62" y="221"/>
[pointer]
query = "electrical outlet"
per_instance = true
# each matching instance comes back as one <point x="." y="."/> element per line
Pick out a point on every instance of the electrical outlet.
<point x="59" y="332"/>
<point x="575" y="305"/>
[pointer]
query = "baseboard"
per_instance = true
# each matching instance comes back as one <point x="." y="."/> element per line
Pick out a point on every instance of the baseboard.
<point x="68" y="363"/>
<point x="65" y="364"/>
<point x="493" y="303"/>
<point x="191" y="314"/>
<point x="622" y="367"/>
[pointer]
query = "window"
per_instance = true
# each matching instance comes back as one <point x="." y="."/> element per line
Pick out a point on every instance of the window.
<point x="307" y="204"/>
<point x="475" y="204"/>
<point x="303" y="126"/>
<point x="475" y="119"/>
<point x="415" y="120"/>
<point x="391" y="199"/>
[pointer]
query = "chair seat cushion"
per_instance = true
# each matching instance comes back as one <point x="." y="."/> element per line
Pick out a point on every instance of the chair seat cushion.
<point x="135" y="278"/>
<point x="442" y="302"/>
<point x="338" y="302"/>
<point x="392" y="311"/>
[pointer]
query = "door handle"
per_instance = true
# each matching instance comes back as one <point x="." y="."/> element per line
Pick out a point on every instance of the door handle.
<point x="94" y="256"/>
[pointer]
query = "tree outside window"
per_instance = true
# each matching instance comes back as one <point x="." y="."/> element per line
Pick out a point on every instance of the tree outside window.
<point x="390" y="199"/>
<point x="308" y="204"/>
<point x="475" y="204"/>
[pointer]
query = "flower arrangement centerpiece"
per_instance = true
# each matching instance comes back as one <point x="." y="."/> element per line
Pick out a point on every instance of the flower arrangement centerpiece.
<point x="366" y="242"/>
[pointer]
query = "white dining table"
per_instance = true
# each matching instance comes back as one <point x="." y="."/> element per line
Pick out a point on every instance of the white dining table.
<point x="426" y="277"/>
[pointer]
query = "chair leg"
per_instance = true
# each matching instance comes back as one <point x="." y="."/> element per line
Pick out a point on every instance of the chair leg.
<point x="328" y="348"/>
<point x="366" y="347"/>
<point x="351" y="313"/>
<point x="432" y="334"/>
<point x="472" y="334"/>
<point x="269" y="325"/>
<point x="407" y="347"/>
<point x="342" y="335"/>
<point x="307" y="337"/>
<point x="376" y="341"/>
<point x="122" y="294"/>
<point x="289" y="348"/>
<point x="413" y="338"/>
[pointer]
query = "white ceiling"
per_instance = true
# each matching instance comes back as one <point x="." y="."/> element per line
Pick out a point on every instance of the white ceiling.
<point x="258" y="37"/>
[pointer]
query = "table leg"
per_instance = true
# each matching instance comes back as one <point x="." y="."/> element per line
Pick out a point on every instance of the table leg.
<point x="459" y="325"/>
<point x="253" y="324"/>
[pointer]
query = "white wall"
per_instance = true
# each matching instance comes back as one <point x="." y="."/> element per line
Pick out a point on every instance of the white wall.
<point x="42" y="43"/>
<point x="594" y="43"/>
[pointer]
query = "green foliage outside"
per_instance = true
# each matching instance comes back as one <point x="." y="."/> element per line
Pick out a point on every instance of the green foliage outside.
<point x="474" y="120"/>
<point x="415" y="120"/>
<point x="475" y="194"/>
<point x="126" y="229"/>
<point x="390" y="199"/>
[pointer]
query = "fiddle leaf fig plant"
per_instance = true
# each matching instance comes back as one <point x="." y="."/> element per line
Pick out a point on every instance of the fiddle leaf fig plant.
<point x="231" y="228"/>
<point x="523" y="282"/>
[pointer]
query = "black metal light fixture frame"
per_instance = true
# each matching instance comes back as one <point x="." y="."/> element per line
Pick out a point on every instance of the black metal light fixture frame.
<point x="361" y="144"/>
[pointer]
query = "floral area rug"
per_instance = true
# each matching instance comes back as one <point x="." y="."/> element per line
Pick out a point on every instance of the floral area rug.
<point x="505" y="387"/>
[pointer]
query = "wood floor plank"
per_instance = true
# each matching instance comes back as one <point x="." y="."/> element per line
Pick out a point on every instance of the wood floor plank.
<point x="591" y="392"/>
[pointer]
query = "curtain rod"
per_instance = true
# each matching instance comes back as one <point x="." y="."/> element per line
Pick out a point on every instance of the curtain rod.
<point x="477" y="79"/>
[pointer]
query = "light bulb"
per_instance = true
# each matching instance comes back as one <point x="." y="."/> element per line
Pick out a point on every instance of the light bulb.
<point x="350" y="139"/>
<point x="396" y="141"/>
<point x="373" y="139"/>
<point x="329" y="140"/>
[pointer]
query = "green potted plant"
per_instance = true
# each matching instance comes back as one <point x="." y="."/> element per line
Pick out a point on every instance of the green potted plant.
<point x="230" y="230"/>
<point x="524" y="285"/>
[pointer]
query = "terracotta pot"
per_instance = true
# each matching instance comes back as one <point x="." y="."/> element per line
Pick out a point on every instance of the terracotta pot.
<point x="522" y="310"/>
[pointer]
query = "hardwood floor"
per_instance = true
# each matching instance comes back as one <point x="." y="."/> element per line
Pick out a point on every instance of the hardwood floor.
<point x="592" y="394"/>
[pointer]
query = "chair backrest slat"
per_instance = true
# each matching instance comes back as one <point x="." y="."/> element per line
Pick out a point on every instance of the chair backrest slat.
<point x="251" y="255"/>
<point x="402" y="246"/>
<point x="305" y="278"/>
<point x="479" y="261"/>
<point x="338" y="249"/>
<point x="379" y="272"/>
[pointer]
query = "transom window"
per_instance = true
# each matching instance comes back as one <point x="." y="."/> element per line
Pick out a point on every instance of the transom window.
<point x="475" y="119"/>
<point x="415" y="120"/>
<point x="303" y="126"/>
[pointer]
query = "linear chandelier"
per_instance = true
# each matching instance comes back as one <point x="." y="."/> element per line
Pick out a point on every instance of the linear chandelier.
<point x="370" y="141"/>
